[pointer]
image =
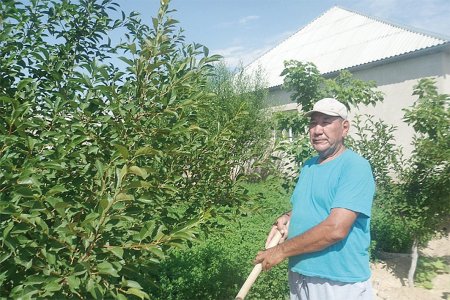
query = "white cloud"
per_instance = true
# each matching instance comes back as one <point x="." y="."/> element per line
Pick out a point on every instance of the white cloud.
<point x="237" y="55"/>
<point x="242" y="21"/>
<point x="247" y="19"/>
<point x="245" y="53"/>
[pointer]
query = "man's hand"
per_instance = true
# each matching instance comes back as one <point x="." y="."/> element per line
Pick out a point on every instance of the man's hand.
<point x="281" y="225"/>
<point x="269" y="257"/>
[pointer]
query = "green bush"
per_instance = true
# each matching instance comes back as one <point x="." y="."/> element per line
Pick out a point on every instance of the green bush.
<point x="205" y="272"/>
<point x="103" y="171"/>
<point x="217" y="267"/>
<point x="388" y="232"/>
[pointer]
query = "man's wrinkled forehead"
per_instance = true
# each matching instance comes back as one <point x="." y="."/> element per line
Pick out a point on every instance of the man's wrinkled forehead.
<point x="321" y="116"/>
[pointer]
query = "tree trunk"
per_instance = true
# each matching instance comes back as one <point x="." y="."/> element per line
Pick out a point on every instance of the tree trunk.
<point x="414" y="258"/>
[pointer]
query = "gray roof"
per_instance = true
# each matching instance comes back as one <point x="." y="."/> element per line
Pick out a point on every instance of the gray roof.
<point x="340" y="39"/>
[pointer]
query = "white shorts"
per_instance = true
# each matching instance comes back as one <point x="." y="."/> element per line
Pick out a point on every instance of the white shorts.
<point x="315" y="288"/>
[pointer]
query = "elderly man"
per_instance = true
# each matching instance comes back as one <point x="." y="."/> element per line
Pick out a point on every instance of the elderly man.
<point x="328" y="228"/>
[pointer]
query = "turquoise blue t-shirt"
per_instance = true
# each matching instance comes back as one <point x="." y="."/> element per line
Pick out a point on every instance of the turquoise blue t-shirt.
<point x="344" y="182"/>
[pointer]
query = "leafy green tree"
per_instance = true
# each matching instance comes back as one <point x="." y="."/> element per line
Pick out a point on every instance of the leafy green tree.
<point x="374" y="139"/>
<point x="237" y="113"/>
<point x="103" y="171"/>
<point x="305" y="82"/>
<point x="306" y="85"/>
<point x="426" y="182"/>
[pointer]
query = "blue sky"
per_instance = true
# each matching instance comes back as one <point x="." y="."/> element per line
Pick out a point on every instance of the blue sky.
<point x="242" y="30"/>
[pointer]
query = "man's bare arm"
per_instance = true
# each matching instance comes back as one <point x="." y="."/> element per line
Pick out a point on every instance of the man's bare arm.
<point x="333" y="229"/>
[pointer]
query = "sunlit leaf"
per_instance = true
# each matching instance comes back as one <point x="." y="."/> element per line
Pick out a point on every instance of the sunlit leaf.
<point x="138" y="171"/>
<point x="123" y="150"/>
<point x="107" y="268"/>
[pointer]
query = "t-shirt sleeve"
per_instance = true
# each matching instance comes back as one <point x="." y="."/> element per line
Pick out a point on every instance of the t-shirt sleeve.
<point x="356" y="187"/>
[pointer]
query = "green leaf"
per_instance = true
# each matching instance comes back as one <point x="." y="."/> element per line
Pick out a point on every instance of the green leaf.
<point x="35" y="279"/>
<point x="197" y="128"/>
<point x="147" y="230"/>
<point x="99" y="167"/>
<point x="60" y="208"/>
<point x="56" y="190"/>
<point x="25" y="181"/>
<point x="7" y="229"/>
<point x="132" y="48"/>
<point x="147" y="151"/>
<point x="74" y="282"/>
<point x="121" y="173"/>
<point x="156" y="251"/>
<point x="6" y="99"/>
<point x="138" y="171"/>
<point x="80" y="268"/>
<point x="131" y="284"/>
<point x="126" y="60"/>
<point x="52" y="285"/>
<point x="155" y="22"/>
<point x="124" y="197"/>
<point x="94" y="289"/>
<point x="138" y="293"/>
<point x="104" y="203"/>
<point x="123" y="150"/>
<point x="89" y="218"/>
<point x="42" y="224"/>
<point x="3" y="277"/>
<point x="139" y="184"/>
<point x="4" y="256"/>
<point x="107" y="268"/>
<point x="121" y="297"/>
<point x="24" y="83"/>
<point x="51" y="258"/>
<point x="117" y="251"/>
<point x="25" y="192"/>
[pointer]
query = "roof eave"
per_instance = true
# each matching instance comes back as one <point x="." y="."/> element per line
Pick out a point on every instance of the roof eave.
<point x="445" y="47"/>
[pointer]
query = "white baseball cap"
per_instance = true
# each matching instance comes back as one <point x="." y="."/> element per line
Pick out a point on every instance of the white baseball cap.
<point x="331" y="107"/>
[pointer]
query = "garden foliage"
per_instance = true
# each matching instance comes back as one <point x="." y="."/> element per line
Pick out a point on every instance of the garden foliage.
<point x="426" y="180"/>
<point x="217" y="267"/>
<point x="104" y="170"/>
<point x="307" y="86"/>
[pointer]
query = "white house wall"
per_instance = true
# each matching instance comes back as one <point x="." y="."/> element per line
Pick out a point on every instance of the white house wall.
<point x="397" y="80"/>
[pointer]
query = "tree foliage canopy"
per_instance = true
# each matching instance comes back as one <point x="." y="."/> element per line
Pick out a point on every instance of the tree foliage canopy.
<point x="104" y="170"/>
<point x="308" y="85"/>
<point x="426" y="204"/>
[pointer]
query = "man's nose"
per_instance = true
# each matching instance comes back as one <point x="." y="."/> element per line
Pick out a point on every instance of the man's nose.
<point x="317" y="130"/>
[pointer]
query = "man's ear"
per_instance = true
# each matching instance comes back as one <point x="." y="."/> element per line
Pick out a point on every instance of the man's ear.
<point x="345" y="127"/>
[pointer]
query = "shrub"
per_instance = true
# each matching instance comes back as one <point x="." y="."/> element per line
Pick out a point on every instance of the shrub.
<point x="217" y="267"/>
<point x="102" y="171"/>
<point x="387" y="229"/>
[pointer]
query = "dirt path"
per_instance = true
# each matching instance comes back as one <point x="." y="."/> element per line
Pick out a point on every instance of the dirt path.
<point x="390" y="275"/>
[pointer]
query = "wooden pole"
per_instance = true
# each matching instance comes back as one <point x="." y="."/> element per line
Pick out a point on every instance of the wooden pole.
<point x="256" y="270"/>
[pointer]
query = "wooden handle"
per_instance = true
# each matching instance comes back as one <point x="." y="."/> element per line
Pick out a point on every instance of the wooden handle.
<point x="256" y="270"/>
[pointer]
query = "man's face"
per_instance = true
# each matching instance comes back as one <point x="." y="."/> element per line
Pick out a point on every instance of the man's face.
<point x="327" y="133"/>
